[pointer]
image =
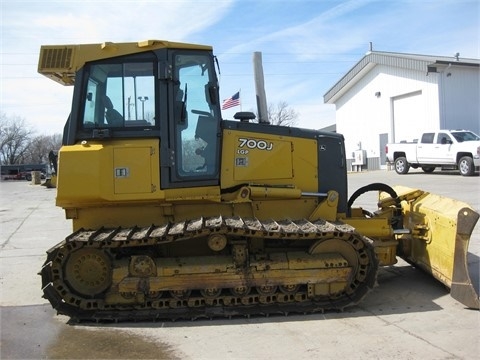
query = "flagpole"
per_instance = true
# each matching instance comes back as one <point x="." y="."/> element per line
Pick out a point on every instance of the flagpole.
<point x="240" y="98"/>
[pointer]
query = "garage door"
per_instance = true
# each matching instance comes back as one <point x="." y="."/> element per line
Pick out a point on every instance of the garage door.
<point x="408" y="116"/>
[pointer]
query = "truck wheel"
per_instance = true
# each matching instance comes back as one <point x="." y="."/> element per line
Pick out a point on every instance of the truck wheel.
<point x="465" y="165"/>
<point x="401" y="165"/>
<point x="428" y="169"/>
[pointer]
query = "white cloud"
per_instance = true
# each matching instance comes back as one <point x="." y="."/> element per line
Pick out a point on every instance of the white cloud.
<point x="304" y="54"/>
<point x="27" y="25"/>
<point x="113" y="21"/>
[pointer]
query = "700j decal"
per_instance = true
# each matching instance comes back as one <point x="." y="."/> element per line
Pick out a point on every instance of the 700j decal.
<point x="255" y="144"/>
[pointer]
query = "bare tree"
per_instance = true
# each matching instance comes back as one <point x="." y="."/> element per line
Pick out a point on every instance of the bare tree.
<point x="281" y="114"/>
<point x="40" y="146"/>
<point x="14" y="139"/>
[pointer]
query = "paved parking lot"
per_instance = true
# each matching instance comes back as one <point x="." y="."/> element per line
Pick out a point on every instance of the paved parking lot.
<point x="408" y="316"/>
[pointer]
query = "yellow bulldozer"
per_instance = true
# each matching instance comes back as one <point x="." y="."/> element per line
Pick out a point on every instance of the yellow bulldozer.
<point x="179" y="214"/>
<point x="51" y="179"/>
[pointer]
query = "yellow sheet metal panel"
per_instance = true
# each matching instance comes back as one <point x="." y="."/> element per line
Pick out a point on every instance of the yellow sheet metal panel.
<point x="146" y="213"/>
<point x="203" y="193"/>
<point x="261" y="159"/>
<point x="268" y="158"/>
<point x="80" y="169"/>
<point x="94" y="173"/>
<point x="283" y="208"/>
<point x="132" y="170"/>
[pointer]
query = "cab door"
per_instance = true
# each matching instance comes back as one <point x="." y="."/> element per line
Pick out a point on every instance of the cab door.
<point x="191" y="156"/>
<point x="426" y="149"/>
<point x="443" y="149"/>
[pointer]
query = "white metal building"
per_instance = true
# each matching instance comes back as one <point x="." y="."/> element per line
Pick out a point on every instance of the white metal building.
<point x="393" y="97"/>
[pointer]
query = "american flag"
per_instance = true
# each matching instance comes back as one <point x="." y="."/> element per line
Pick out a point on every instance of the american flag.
<point x="232" y="101"/>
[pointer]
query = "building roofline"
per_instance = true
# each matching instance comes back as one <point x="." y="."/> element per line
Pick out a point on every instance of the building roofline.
<point x="408" y="61"/>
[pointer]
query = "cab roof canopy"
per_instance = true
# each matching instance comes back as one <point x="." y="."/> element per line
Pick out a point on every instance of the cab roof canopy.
<point x="60" y="62"/>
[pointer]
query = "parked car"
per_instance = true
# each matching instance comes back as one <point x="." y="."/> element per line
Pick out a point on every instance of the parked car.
<point x="448" y="149"/>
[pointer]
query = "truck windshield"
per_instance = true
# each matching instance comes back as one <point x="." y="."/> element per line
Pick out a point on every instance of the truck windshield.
<point x="462" y="136"/>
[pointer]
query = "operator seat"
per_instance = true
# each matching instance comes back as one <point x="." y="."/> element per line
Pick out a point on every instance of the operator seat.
<point x="114" y="118"/>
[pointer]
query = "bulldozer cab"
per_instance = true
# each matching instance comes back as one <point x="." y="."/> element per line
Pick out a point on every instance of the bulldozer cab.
<point x="168" y="94"/>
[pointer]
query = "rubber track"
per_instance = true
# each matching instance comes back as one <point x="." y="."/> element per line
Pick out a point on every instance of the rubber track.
<point x="232" y="227"/>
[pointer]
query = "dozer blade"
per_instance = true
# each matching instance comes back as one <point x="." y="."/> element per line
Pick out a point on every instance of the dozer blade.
<point x="440" y="233"/>
<point x="51" y="182"/>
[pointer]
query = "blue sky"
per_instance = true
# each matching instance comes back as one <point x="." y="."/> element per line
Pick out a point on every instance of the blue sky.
<point x="306" y="45"/>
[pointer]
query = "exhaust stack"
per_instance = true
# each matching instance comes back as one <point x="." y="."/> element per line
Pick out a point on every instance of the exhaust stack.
<point x="260" y="88"/>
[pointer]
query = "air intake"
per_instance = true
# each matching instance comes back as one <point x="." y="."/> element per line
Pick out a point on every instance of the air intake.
<point x="56" y="63"/>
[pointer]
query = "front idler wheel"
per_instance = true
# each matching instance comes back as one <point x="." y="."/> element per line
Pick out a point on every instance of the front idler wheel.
<point x="88" y="272"/>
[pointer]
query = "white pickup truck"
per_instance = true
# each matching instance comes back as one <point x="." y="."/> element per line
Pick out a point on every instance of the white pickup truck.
<point x="448" y="149"/>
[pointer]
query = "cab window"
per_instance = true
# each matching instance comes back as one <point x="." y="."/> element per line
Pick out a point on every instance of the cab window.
<point x="443" y="139"/>
<point x="427" y="138"/>
<point x="120" y="96"/>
